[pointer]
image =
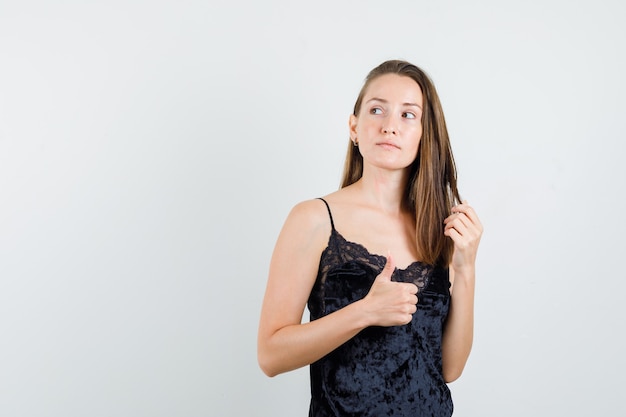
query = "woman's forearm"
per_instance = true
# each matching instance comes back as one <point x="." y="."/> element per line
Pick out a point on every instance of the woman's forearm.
<point x="459" y="331"/>
<point x="298" y="345"/>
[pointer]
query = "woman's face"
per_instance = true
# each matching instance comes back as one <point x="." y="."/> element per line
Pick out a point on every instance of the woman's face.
<point x="388" y="127"/>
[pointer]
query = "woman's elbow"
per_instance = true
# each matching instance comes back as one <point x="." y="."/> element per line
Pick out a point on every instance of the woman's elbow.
<point x="267" y="369"/>
<point x="453" y="370"/>
<point x="266" y="364"/>
<point x="454" y="362"/>
<point x="451" y="375"/>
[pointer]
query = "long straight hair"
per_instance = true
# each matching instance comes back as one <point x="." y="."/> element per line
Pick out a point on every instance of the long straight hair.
<point x="431" y="187"/>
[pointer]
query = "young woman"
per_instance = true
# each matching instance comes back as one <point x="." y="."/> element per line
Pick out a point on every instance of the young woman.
<point x="386" y="264"/>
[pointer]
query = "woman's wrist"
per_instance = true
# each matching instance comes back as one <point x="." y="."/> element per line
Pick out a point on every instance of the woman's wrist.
<point x="464" y="272"/>
<point x="362" y="316"/>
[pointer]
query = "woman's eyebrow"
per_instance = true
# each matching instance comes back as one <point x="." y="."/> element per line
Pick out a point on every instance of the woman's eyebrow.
<point x="382" y="100"/>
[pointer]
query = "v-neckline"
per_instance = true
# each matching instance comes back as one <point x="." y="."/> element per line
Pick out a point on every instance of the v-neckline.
<point x="375" y="255"/>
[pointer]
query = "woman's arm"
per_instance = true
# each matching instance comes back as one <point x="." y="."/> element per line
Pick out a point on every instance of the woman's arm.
<point x="284" y="343"/>
<point x="465" y="229"/>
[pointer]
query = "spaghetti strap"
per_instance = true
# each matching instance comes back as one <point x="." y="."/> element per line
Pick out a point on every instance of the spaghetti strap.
<point x="332" y="224"/>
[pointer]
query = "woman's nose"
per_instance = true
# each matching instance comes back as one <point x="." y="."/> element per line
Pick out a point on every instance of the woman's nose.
<point x="389" y="127"/>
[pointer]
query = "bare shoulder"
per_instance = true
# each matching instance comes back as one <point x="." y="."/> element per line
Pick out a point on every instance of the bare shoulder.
<point x="313" y="214"/>
<point x="309" y="213"/>
<point x="308" y="221"/>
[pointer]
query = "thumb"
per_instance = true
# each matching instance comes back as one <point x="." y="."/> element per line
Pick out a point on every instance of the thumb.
<point x="390" y="266"/>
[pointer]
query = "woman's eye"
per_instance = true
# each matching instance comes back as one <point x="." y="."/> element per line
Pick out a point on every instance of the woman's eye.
<point x="408" y="115"/>
<point x="376" y="110"/>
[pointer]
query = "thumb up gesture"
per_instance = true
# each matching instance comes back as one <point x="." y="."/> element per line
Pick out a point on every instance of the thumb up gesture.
<point x="390" y="303"/>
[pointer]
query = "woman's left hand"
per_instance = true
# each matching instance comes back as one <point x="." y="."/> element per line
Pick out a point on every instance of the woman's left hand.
<point x="465" y="229"/>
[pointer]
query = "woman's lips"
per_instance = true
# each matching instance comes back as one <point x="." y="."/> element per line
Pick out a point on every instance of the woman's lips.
<point x="388" y="145"/>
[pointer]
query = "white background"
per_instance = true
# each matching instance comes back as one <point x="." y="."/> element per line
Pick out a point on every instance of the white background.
<point x="150" y="151"/>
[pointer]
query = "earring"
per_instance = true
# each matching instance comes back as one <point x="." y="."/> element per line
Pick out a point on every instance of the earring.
<point x="355" y="142"/>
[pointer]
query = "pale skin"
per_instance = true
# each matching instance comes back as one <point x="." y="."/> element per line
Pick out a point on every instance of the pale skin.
<point x="388" y="131"/>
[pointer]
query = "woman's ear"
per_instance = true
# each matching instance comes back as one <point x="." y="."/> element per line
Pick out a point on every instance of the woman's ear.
<point x="352" y="122"/>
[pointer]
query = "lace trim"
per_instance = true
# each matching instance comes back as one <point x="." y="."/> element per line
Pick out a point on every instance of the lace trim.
<point x="345" y="251"/>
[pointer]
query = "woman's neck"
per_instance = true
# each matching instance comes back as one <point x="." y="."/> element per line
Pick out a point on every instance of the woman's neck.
<point x="384" y="189"/>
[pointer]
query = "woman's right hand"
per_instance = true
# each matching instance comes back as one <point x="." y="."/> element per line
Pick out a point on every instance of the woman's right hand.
<point x="390" y="303"/>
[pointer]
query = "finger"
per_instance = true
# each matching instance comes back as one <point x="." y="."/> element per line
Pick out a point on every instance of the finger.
<point x="468" y="211"/>
<point x="458" y="218"/>
<point x="411" y="288"/>
<point x="453" y="234"/>
<point x="462" y="205"/>
<point x="390" y="266"/>
<point x="459" y="225"/>
<point x="461" y="209"/>
<point x="464" y="226"/>
<point x="463" y="237"/>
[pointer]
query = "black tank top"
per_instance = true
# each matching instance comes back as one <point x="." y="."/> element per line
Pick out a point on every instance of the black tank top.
<point x="382" y="371"/>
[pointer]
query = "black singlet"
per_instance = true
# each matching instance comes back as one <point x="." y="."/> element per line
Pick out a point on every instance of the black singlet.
<point x="382" y="371"/>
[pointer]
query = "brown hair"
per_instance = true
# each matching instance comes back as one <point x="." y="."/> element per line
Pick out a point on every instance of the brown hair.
<point x="431" y="187"/>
